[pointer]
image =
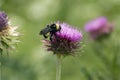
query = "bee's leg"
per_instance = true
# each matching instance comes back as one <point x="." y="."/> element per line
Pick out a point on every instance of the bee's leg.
<point x="51" y="34"/>
<point x="45" y="36"/>
<point x="56" y="37"/>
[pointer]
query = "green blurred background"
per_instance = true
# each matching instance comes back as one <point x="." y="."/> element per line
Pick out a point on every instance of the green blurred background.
<point x="97" y="60"/>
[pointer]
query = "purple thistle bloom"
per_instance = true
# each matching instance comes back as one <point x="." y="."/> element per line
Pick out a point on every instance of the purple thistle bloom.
<point x="3" y="20"/>
<point x="99" y="27"/>
<point x="65" y="42"/>
<point x="8" y="34"/>
<point x="96" y="24"/>
<point x="69" y="33"/>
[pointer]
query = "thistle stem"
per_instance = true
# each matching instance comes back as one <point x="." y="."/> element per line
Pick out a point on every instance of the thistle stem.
<point x="58" y="72"/>
<point x="1" y="66"/>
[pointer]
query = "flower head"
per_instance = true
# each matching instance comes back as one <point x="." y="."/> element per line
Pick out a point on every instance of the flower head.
<point x="99" y="27"/>
<point x="3" y="20"/>
<point x="64" y="42"/>
<point x="8" y="33"/>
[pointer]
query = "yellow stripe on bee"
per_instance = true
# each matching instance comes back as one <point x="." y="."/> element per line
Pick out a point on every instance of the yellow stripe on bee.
<point x="57" y="26"/>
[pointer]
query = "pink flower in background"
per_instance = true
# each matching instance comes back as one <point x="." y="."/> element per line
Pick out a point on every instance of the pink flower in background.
<point x="99" y="27"/>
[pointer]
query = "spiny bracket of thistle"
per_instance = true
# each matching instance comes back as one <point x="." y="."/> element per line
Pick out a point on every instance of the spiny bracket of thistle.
<point x="8" y="34"/>
<point x="64" y="42"/>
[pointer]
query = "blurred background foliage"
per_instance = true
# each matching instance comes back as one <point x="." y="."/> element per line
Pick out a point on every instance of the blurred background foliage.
<point x="98" y="61"/>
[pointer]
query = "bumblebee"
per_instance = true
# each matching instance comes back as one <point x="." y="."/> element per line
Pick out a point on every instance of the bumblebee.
<point x="50" y="30"/>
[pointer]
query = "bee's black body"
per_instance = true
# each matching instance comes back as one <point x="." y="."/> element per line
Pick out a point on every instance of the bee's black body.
<point x="51" y="30"/>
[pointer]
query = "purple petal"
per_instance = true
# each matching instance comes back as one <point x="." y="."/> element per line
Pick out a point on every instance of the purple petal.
<point x="3" y="20"/>
<point x="95" y="24"/>
<point x="69" y="33"/>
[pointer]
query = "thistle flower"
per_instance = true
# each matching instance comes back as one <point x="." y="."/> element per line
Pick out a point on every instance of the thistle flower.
<point x="99" y="28"/>
<point x="8" y="33"/>
<point x="3" y="20"/>
<point x="65" y="42"/>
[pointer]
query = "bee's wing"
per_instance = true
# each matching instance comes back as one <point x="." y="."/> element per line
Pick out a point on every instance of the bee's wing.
<point x="45" y="31"/>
